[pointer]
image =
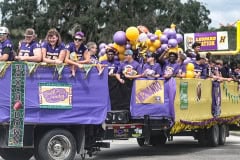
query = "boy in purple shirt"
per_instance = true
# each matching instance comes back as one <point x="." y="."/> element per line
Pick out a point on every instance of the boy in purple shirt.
<point x="53" y="50"/>
<point x="151" y="69"/>
<point x="6" y="47"/>
<point x="29" y="49"/>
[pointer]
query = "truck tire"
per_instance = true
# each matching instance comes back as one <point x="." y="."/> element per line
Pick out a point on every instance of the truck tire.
<point x="56" y="144"/>
<point x="140" y="142"/>
<point x="16" y="153"/>
<point x="213" y="136"/>
<point x="158" y="140"/>
<point x="222" y="134"/>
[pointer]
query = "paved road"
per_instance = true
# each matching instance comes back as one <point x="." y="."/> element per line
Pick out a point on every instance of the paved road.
<point x="182" y="148"/>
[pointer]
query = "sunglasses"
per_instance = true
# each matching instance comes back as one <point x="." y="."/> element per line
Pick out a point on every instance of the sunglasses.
<point x="110" y="54"/>
<point x="77" y="39"/>
<point x="2" y="34"/>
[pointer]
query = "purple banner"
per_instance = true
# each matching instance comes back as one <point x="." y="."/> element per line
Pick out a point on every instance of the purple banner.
<point x="208" y="40"/>
<point x="216" y="99"/>
<point x="156" y="110"/>
<point x="90" y="97"/>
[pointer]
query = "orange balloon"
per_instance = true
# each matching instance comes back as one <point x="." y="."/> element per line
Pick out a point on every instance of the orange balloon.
<point x="121" y="57"/>
<point x="143" y="29"/>
<point x="189" y="74"/>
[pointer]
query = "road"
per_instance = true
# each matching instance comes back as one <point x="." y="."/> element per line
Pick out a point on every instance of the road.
<point x="181" y="148"/>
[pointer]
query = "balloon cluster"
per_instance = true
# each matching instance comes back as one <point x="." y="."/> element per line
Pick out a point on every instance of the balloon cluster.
<point x="142" y="39"/>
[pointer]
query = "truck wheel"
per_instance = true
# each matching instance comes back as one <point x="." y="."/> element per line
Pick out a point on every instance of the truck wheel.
<point x="56" y="144"/>
<point x="16" y="153"/>
<point x="213" y="136"/>
<point x="158" y="140"/>
<point x="140" y="142"/>
<point x="222" y="134"/>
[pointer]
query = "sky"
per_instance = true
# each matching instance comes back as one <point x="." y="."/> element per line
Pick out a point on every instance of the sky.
<point x="222" y="11"/>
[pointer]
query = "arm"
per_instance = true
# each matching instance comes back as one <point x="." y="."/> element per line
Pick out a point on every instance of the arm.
<point x="45" y="59"/>
<point x="119" y="78"/>
<point x="36" y="58"/>
<point x="86" y="56"/>
<point x="6" y="52"/>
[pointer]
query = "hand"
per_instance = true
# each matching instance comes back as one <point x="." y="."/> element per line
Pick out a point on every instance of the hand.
<point x="57" y="61"/>
<point x="80" y="65"/>
<point x="122" y="81"/>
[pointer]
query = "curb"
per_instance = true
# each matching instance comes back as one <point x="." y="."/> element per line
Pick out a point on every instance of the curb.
<point x="235" y="133"/>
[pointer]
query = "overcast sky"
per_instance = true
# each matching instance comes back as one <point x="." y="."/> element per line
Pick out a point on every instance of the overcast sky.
<point x="222" y="11"/>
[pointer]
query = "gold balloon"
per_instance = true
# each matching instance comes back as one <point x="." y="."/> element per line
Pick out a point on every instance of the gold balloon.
<point x="152" y="49"/>
<point x="190" y="67"/>
<point x="132" y="33"/>
<point x="158" y="32"/>
<point x="189" y="74"/>
<point x="103" y="58"/>
<point x="157" y="43"/>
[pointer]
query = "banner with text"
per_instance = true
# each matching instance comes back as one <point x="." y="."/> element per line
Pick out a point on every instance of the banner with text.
<point x="150" y="91"/>
<point x="209" y="40"/>
<point x="55" y="95"/>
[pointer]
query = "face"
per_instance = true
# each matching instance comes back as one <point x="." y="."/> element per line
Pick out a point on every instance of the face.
<point x="29" y="38"/>
<point x="3" y="36"/>
<point x="128" y="57"/>
<point x="150" y="59"/>
<point x="77" y="41"/>
<point x="172" y="58"/>
<point x="110" y="56"/>
<point x="94" y="49"/>
<point x="53" y="39"/>
<point x="197" y="49"/>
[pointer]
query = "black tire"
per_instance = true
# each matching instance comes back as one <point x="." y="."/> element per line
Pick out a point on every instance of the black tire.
<point x="56" y="144"/>
<point x="202" y="138"/>
<point x="16" y="153"/>
<point x="222" y="134"/>
<point x="158" y="140"/>
<point x="140" y="142"/>
<point x="213" y="136"/>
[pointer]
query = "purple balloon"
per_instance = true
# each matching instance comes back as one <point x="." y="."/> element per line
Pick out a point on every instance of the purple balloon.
<point x="172" y="43"/>
<point x="102" y="45"/>
<point x="164" y="39"/>
<point x="149" y="35"/>
<point x="187" y="60"/>
<point x="120" y="38"/>
<point x="152" y="38"/>
<point x="159" y="50"/>
<point x="166" y="30"/>
<point x="164" y="47"/>
<point x="102" y="52"/>
<point x="171" y="34"/>
<point x="179" y="38"/>
<point x="128" y="46"/>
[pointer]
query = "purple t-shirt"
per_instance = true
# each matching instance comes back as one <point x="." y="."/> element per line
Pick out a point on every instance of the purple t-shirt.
<point x="154" y="69"/>
<point x="27" y="49"/>
<point x="170" y="68"/>
<point x="112" y="65"/>
<point x="182" y="68"/>
<point x="3" y="46"/>
<point x="130" y="68"/>
<point x="52" y="53"/>
<point x="202" y="68"/>
<point x="80" y="51"/>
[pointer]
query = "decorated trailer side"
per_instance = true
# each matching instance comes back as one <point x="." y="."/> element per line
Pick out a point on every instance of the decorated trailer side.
<point x="46" y="113"/>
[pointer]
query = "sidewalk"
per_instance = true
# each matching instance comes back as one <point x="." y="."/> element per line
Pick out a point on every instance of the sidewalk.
<point x="235" y="133"/>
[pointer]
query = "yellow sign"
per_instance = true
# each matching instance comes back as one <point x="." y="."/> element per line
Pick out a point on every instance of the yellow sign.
<point x="149" y="91"/>
<point x="54" y="95"/>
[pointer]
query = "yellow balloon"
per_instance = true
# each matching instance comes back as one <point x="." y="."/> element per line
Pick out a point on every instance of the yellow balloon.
<point x="103" y="58"/>
<point x="149" y="42"/>
<point x="121" y="49"/>
<point x="158" y="32"/>
<point x="189" y="74"/>
<point x="121" y="57"/>
<point x="132" y="33"/>
<point x="157" y="43"/>
<point x="190" y="67"/>
<point x="152" y="49"/>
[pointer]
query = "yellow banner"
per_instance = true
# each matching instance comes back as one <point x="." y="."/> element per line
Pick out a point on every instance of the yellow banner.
<point x="150" y="91"/>
<point x="198" y="102"/>
<point x="53" y="95"/>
